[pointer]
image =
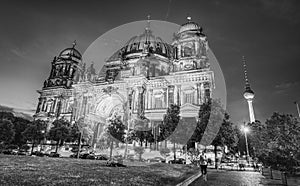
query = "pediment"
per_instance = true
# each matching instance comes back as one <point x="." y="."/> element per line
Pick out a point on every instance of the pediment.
<point x="189" y="107"/>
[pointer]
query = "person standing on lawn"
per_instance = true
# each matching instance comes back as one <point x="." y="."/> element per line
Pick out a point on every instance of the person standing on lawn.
<point x="203" y="166"/>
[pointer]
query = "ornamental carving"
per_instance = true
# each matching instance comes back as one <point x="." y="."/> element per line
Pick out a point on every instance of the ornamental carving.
<point x="110" y="90"/>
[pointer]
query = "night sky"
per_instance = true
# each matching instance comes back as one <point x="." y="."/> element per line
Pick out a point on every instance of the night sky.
<point x="266" y="32"/>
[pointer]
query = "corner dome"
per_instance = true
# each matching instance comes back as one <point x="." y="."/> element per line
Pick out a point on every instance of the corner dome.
<point x="70" y="52"/>
<point x="189" y="26"/>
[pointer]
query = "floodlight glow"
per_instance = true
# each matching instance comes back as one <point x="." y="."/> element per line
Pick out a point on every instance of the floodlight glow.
<point x="245" y="129"/>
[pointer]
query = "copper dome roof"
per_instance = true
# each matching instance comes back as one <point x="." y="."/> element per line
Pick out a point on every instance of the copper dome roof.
<point x="189" y="26"/>
<point x="148" y="41"/>
<point x="70" y="52"/>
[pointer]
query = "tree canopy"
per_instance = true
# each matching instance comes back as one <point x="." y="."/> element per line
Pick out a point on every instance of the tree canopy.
<point x="276" y="143"/>
<point x="7" y="132"/>
<point x="227" y="134"/>
<point x="210" y="118"/>
<point x="116" y="128"/>
<point x="59" y="132"/>
<point x="170" y="122"/>
<point x="35" y="132"/>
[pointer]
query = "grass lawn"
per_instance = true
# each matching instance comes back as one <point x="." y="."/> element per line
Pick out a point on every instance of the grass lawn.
<point x="26" y="170"/>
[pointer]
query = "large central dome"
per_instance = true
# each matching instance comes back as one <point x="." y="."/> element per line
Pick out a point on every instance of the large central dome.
<point x="147" y="43"/>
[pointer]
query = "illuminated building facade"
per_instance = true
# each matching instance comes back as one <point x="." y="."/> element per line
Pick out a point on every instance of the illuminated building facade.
<point x="138" y="81"/>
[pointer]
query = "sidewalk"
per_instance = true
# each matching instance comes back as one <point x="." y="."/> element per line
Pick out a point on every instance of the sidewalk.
<point x="234" y="178"/>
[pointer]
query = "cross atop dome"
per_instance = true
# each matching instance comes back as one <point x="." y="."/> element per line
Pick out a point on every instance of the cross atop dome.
<point x="148" y="23"/>
<point x="74" y="44"/>
<point x="189" y="18"/>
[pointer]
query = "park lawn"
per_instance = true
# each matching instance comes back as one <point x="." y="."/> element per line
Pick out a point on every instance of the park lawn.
<point x="27" y="170"/>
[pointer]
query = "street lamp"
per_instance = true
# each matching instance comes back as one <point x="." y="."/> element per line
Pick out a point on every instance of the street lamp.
<point x="246" y="130"/>
<point x="126" y="143"/>
<point x="44" y="139"/>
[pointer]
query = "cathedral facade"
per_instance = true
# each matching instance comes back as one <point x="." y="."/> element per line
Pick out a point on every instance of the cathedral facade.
<point x="138" y="82"/>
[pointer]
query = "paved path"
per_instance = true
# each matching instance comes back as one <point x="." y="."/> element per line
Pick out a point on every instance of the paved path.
<point x="234" y="178"/>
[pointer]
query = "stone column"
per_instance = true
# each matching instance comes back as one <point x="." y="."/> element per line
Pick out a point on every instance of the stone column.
<point x="84" y="104"/>
<point x="196" y="47"/>
<point x="48" y="108"/>
<point x="131" y="101"/>
<point x="165" y="98"/>
<point x="146" y="99"/>
<point x="195" y="95"/>
<point x="181" y="97"/>
<point x="171" y="95"/>
<point x="198" y="94"/>
<point x="38" y="108"/>
<point x="167" y="102"/>
<point x="43" y="104"/>
<point x="140" y="108"/>
<point x="152" y="99"/>
<point x="53" y="105"/>
<point x="202" y="92"/>
<point x="135" y="100"/>
<point x="175" y="95"/>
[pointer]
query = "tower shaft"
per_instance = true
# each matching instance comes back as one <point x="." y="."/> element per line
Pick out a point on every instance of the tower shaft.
<point x="251" y="111"/>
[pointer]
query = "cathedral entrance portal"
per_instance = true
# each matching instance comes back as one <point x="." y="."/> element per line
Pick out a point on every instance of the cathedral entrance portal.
<point x="108" y="106"/>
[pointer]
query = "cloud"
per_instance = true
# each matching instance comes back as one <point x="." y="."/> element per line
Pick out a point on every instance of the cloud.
<point x="19" y="53"/>
<point x="285" y="9"/>
<point x="285" y="87"/>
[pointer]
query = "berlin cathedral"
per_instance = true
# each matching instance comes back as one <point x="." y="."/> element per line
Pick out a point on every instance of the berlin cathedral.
<point x="138" y="82"/>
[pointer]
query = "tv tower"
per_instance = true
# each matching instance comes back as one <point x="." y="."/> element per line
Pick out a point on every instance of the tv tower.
<point x="248" y="93"/>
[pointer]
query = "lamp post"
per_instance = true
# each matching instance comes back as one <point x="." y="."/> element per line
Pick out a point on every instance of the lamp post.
<point x="43" y="141"/>
<point x="297" y="106"/>
<point x="246" y="129"/>
<point x="126" y="145"/>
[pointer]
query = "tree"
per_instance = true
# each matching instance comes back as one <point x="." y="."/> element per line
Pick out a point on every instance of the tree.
<point x="226" y="136"/>
<point x="74" y="134"/>
<point x="204" y="114"/>
<point x="254" y="137"/>
<point x="276" y="142"/>
<point x="35" y="132"/>
<point x="143" y="136"/>
<point x="142" y="132"/>
<point x="59" y="132"/>
<point x="20" y="125"/>
<point x="7" y="132"/>
<point x="85" y="129"/>
<point x="170" y="122"/>
<point x="211" y="114"/>
<point x="7" y="115"/>
<point x="116" y="129"/>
